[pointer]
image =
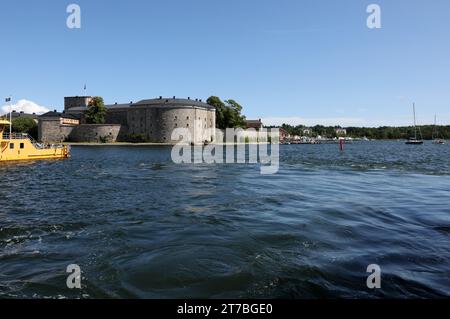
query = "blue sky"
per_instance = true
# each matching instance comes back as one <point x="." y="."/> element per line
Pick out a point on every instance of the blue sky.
<point x="296" y="61"/>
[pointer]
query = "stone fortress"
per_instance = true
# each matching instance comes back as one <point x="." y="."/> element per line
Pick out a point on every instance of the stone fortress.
<point x="152" y="120"/>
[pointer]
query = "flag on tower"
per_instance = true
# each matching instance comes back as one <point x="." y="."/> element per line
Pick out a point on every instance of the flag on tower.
<point x="8" y="99"/>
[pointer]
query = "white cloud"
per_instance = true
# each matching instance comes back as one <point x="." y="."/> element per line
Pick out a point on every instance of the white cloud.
<point x="26" y="107"/>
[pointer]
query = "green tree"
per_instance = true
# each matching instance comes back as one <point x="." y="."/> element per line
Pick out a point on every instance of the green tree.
<point x="25" y="125"/>
<point x="96" y="111"/>
<point x="220" y="110"/>
<point x="235" y="119"/>
<point x="228" y="114"/>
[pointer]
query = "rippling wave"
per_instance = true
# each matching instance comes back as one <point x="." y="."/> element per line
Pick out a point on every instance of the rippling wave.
<point x="140" y="226"/>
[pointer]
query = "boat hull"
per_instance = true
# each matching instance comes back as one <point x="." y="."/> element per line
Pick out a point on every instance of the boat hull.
<point x="24" y="150"/>
<point x="414" y="142"/>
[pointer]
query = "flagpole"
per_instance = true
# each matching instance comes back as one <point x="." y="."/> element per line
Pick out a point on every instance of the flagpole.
<point x="10" y="118"/>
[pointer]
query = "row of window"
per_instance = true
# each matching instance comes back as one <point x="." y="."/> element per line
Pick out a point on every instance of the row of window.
<point x="11" y="145"/>
<point x="175" y="119"/>
<point x="175" y="125"/>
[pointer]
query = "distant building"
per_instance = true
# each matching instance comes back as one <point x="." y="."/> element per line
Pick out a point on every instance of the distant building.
<point x="341" y="132"/>
<point x="307" y="131"/>
<point x="15" y="115"/>
<point x="284" y="135"/>
<point x="255" y="124"/>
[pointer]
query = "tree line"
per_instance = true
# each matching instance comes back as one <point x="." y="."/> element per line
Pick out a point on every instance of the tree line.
<point x="427" y="132"/>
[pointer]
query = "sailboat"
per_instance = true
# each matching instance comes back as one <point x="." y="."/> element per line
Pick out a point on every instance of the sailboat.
<point x="435" y="139"/>
<point x="414" y="140"/>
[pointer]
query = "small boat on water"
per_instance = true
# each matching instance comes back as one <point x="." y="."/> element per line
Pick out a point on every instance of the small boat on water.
<point x="414" y="140"/>
<point x="440" y="142"/>
<point x="20" y="146"/>
<point x="435" y="138"/>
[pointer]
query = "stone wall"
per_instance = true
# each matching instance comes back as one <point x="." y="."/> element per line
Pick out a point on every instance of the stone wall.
<point x="95" y="133"/>
<point x="51" y="131"/>
<point x="158" y="124"/>
<point x="118" y="116"/>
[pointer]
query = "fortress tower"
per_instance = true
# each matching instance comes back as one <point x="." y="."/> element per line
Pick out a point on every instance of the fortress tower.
<point x="79" y="103"/>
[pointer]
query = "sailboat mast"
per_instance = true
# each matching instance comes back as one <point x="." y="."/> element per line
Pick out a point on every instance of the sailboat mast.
<point x="415" y="126"/>
<point x="434" y="129"/>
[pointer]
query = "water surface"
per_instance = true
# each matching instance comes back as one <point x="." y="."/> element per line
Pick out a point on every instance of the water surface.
<point x="140" y="226"/>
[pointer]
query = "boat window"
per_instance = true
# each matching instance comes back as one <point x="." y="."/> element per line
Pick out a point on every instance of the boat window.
<point x="11" y="146"/>
<point x="22" y="145"/>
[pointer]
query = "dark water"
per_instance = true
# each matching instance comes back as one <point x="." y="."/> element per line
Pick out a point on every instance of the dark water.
<point x="140" y="226"/>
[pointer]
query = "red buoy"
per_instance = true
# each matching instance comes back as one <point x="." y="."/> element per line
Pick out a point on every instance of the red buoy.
<point x="341" y="144"/>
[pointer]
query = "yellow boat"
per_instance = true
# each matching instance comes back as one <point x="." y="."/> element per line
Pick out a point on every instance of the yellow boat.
<point x="20" y="147"/>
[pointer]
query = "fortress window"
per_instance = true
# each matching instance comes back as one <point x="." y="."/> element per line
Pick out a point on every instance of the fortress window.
<point x="22" y="146"/>
<point x="187" y="118"/>
<point x="176" y="117"/>
<point x="187" y="125"/>
<point x="11" y="146"/>
<point x="176" y="124"/>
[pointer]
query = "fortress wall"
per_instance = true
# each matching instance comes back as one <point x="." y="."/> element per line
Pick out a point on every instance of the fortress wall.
<point x="161" y="122"/>
<point x="94" y="133"/>
<point x="51" y="131"/>
<point x="204" y="126"/>
<point x="158" y="123"/>
<point x="118" y="116"/>
<point x="66" y="131"/>
<point x="48" y="130"/>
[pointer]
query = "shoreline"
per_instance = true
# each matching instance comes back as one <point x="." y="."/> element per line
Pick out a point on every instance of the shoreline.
<point x="218" y="144"/>
<point x="152" y="144"/>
